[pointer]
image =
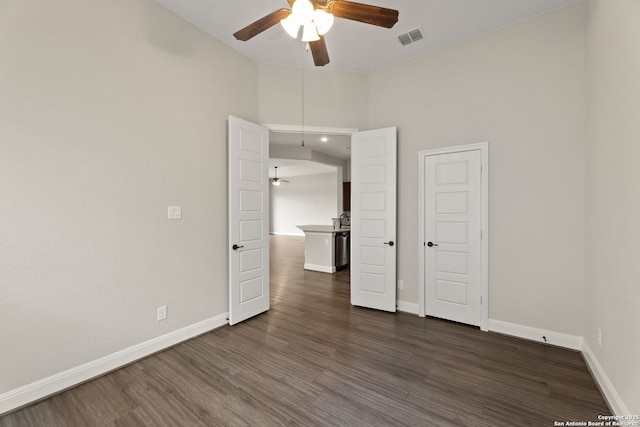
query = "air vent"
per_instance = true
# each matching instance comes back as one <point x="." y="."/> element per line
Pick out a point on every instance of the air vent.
<point x="405" y="39"/>
<point x="410" y="37"/>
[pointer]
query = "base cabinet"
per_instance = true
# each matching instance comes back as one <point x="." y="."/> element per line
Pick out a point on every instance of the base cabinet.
<point x="326" y="249"/>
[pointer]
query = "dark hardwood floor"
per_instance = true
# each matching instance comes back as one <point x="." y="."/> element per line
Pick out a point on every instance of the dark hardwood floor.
<point x="313" y="359"/>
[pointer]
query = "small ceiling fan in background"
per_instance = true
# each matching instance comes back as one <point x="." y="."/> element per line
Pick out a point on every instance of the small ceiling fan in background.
<point x="316" y="17"/>
<point x="276" y="181"/>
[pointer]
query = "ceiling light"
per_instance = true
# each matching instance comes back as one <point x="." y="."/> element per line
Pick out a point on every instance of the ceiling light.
<point x="291" y="25"/>
<point x="314" y="23"/>
<point x="309" y="33"/>
<point x="324" y="139"/>
<point x="277" y="181"/>
<point x="303" y="9"/>
<point x="323" y="21"/>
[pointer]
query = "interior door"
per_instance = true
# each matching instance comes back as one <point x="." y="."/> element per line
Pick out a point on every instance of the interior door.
<point x="453" y="236"/>
<point x="248" y="220"/>
<point x="373" y="219"/>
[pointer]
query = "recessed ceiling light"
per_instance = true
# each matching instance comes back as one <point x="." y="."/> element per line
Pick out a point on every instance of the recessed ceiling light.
<point x="324" y="139"/>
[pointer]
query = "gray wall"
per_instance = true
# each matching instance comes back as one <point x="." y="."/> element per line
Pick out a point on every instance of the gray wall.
<point x="332" y="98"/>
<point x="522" y="90"/>
<point x="613" y="185"/>
<point x="111" y="111"/>
<point x="306" y="199"/>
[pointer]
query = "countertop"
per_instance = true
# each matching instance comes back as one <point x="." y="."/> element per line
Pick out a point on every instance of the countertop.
<point x="322" y="228"/>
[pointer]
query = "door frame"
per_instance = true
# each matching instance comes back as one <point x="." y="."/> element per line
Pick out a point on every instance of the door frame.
<point x="483" y="147"/>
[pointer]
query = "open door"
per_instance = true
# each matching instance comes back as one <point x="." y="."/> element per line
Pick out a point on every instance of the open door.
<point x="373" y="219"/>
<point x="248" y="220"/>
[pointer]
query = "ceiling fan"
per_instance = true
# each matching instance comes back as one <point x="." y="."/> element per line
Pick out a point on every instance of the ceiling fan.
<point x="276" y="181"/>
<point x="316" y="18"/>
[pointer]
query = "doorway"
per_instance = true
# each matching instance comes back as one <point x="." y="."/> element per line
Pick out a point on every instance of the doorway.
<point x="249" y="151"/>
<point x="453" y="230"/>
<point x="312" y="150"/>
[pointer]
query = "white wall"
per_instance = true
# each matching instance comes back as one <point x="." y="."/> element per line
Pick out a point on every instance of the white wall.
<point x="613" y="186"/>
<point x="521" y="89"/>
<point x="306" y="199"/>
<point x="332" y="98"/>
<point x="111" y="111"/>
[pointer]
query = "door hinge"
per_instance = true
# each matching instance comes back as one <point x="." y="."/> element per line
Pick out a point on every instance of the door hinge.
<point x="480" y="234"/>
<point x="480" y="299"/>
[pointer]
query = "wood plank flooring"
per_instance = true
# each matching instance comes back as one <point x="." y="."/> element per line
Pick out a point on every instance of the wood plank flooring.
<point x="314" y="360"/>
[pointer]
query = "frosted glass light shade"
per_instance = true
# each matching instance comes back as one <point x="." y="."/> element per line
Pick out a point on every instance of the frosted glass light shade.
<point x="291" y="25"/>
<point x="323" y="21"/>
<point x="303" y="10"/>
<point x="309" y="33"/>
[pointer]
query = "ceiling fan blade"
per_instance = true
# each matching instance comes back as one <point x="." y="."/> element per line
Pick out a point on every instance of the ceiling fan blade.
<point x="319" y="52"/>
<point x="261" y="24"/>
<point x="374" y="15"/>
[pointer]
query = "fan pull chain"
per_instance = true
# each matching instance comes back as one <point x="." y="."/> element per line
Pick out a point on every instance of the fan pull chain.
<point x="302" y="121"/>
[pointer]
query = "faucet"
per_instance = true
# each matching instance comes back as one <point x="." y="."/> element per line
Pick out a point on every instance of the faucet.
<point x="346" y="217"/>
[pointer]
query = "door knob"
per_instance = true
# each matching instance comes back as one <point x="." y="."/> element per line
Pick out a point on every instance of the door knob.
<point x="432" y="244"/>
<point x="236" y="247"/>
<point x="389" y="243"/>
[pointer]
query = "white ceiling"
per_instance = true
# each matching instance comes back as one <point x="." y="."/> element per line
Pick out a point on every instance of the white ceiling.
<point x="354" y="45"/>
<point x="288" y="168"/>
<point x="338" y="146"/>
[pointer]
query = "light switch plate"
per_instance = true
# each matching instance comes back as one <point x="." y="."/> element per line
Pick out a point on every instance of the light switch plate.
<point x="174" y="212"/>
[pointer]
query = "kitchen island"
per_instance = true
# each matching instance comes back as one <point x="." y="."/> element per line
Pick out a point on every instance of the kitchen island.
<point x="320" y="250"/>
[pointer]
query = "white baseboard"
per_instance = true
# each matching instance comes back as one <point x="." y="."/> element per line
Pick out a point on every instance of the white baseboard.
<point x="40" y="389"/>
<point x="573" y="342"/>
<point x="45" y="387"/>
<point x="320" y="268"/>
<point x="610" y="394"/>
<point x="407" y="307"/>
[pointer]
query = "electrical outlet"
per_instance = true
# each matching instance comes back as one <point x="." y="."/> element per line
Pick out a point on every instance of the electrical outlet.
<point x="599" y="337"/>
<point x="400" y="284"/>
<point x="162" y="313"/>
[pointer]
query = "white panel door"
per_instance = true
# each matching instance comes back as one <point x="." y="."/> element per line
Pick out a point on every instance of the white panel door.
<point x="452" y="236"/>
<point x="248" y="220"/>
<point x="373" y="219"/>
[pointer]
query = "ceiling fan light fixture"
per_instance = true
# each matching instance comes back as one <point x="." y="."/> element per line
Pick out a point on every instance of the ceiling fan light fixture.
<point x="323" y="21"/>
<point x="291" y="25"/>
<point x="276" y="182"/>
<point x="303" y="10"/>
<point x="309" y="33"/>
